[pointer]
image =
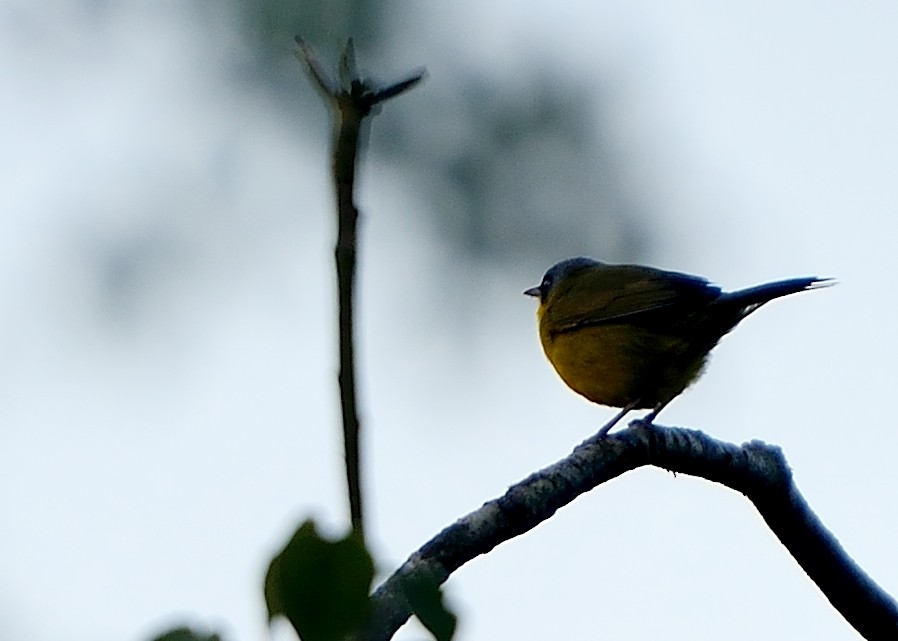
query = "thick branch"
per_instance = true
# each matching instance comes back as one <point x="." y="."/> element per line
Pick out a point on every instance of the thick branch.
<point x="757" y="470"/>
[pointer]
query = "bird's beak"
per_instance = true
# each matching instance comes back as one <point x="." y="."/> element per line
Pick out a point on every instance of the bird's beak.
<point x="533" y="291"/>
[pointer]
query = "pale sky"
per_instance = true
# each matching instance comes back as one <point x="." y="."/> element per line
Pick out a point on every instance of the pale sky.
<point x="168" y="391"/>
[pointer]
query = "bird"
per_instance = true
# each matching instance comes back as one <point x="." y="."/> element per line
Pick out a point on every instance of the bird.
<point x="634" y="337"/>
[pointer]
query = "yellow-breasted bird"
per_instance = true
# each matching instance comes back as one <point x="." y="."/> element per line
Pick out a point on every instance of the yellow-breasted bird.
<point x="634" y="337"/>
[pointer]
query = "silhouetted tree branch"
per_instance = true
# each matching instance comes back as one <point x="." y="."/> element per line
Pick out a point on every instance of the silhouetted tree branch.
<point x="353" y="99"/>
<point x="757" y="470"/>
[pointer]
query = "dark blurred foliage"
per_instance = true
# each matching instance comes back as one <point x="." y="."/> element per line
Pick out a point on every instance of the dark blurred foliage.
<point x="185" y="633"/>
<point x="512" y="167"/>
<point x="515" y="168"/>
<point x="272" y="24"/>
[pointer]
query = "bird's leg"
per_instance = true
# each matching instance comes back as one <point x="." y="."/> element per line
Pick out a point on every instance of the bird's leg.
<point x="614" y="421"/>
<point x="648" y="418"/>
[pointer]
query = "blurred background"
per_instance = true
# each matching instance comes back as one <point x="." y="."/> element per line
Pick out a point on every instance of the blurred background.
<point x="168" y="398"/>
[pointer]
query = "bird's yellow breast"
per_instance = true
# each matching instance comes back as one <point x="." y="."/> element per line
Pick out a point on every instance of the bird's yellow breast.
<point x="617" y="364"/>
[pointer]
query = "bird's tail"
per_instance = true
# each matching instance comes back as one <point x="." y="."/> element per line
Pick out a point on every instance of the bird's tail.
<point x="748" y="300"/>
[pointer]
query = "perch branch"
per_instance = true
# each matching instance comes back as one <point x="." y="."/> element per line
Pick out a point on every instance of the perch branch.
<point x="758" y="471"/>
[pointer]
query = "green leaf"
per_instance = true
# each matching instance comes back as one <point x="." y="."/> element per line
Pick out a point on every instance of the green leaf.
<point x="320" y="586"/>
<point x="422" y="590"/>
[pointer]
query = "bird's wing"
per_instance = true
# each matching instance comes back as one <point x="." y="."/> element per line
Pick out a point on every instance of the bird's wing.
<point x="629" y="293"/>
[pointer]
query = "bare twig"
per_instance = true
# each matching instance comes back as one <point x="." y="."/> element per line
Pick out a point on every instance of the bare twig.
<point x="757" y="470"/>
<point x="353" y="99"/>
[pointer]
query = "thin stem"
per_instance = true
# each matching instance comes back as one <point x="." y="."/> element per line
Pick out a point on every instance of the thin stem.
<point x="352" y="99"/>
<point x="345" y="154"/>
